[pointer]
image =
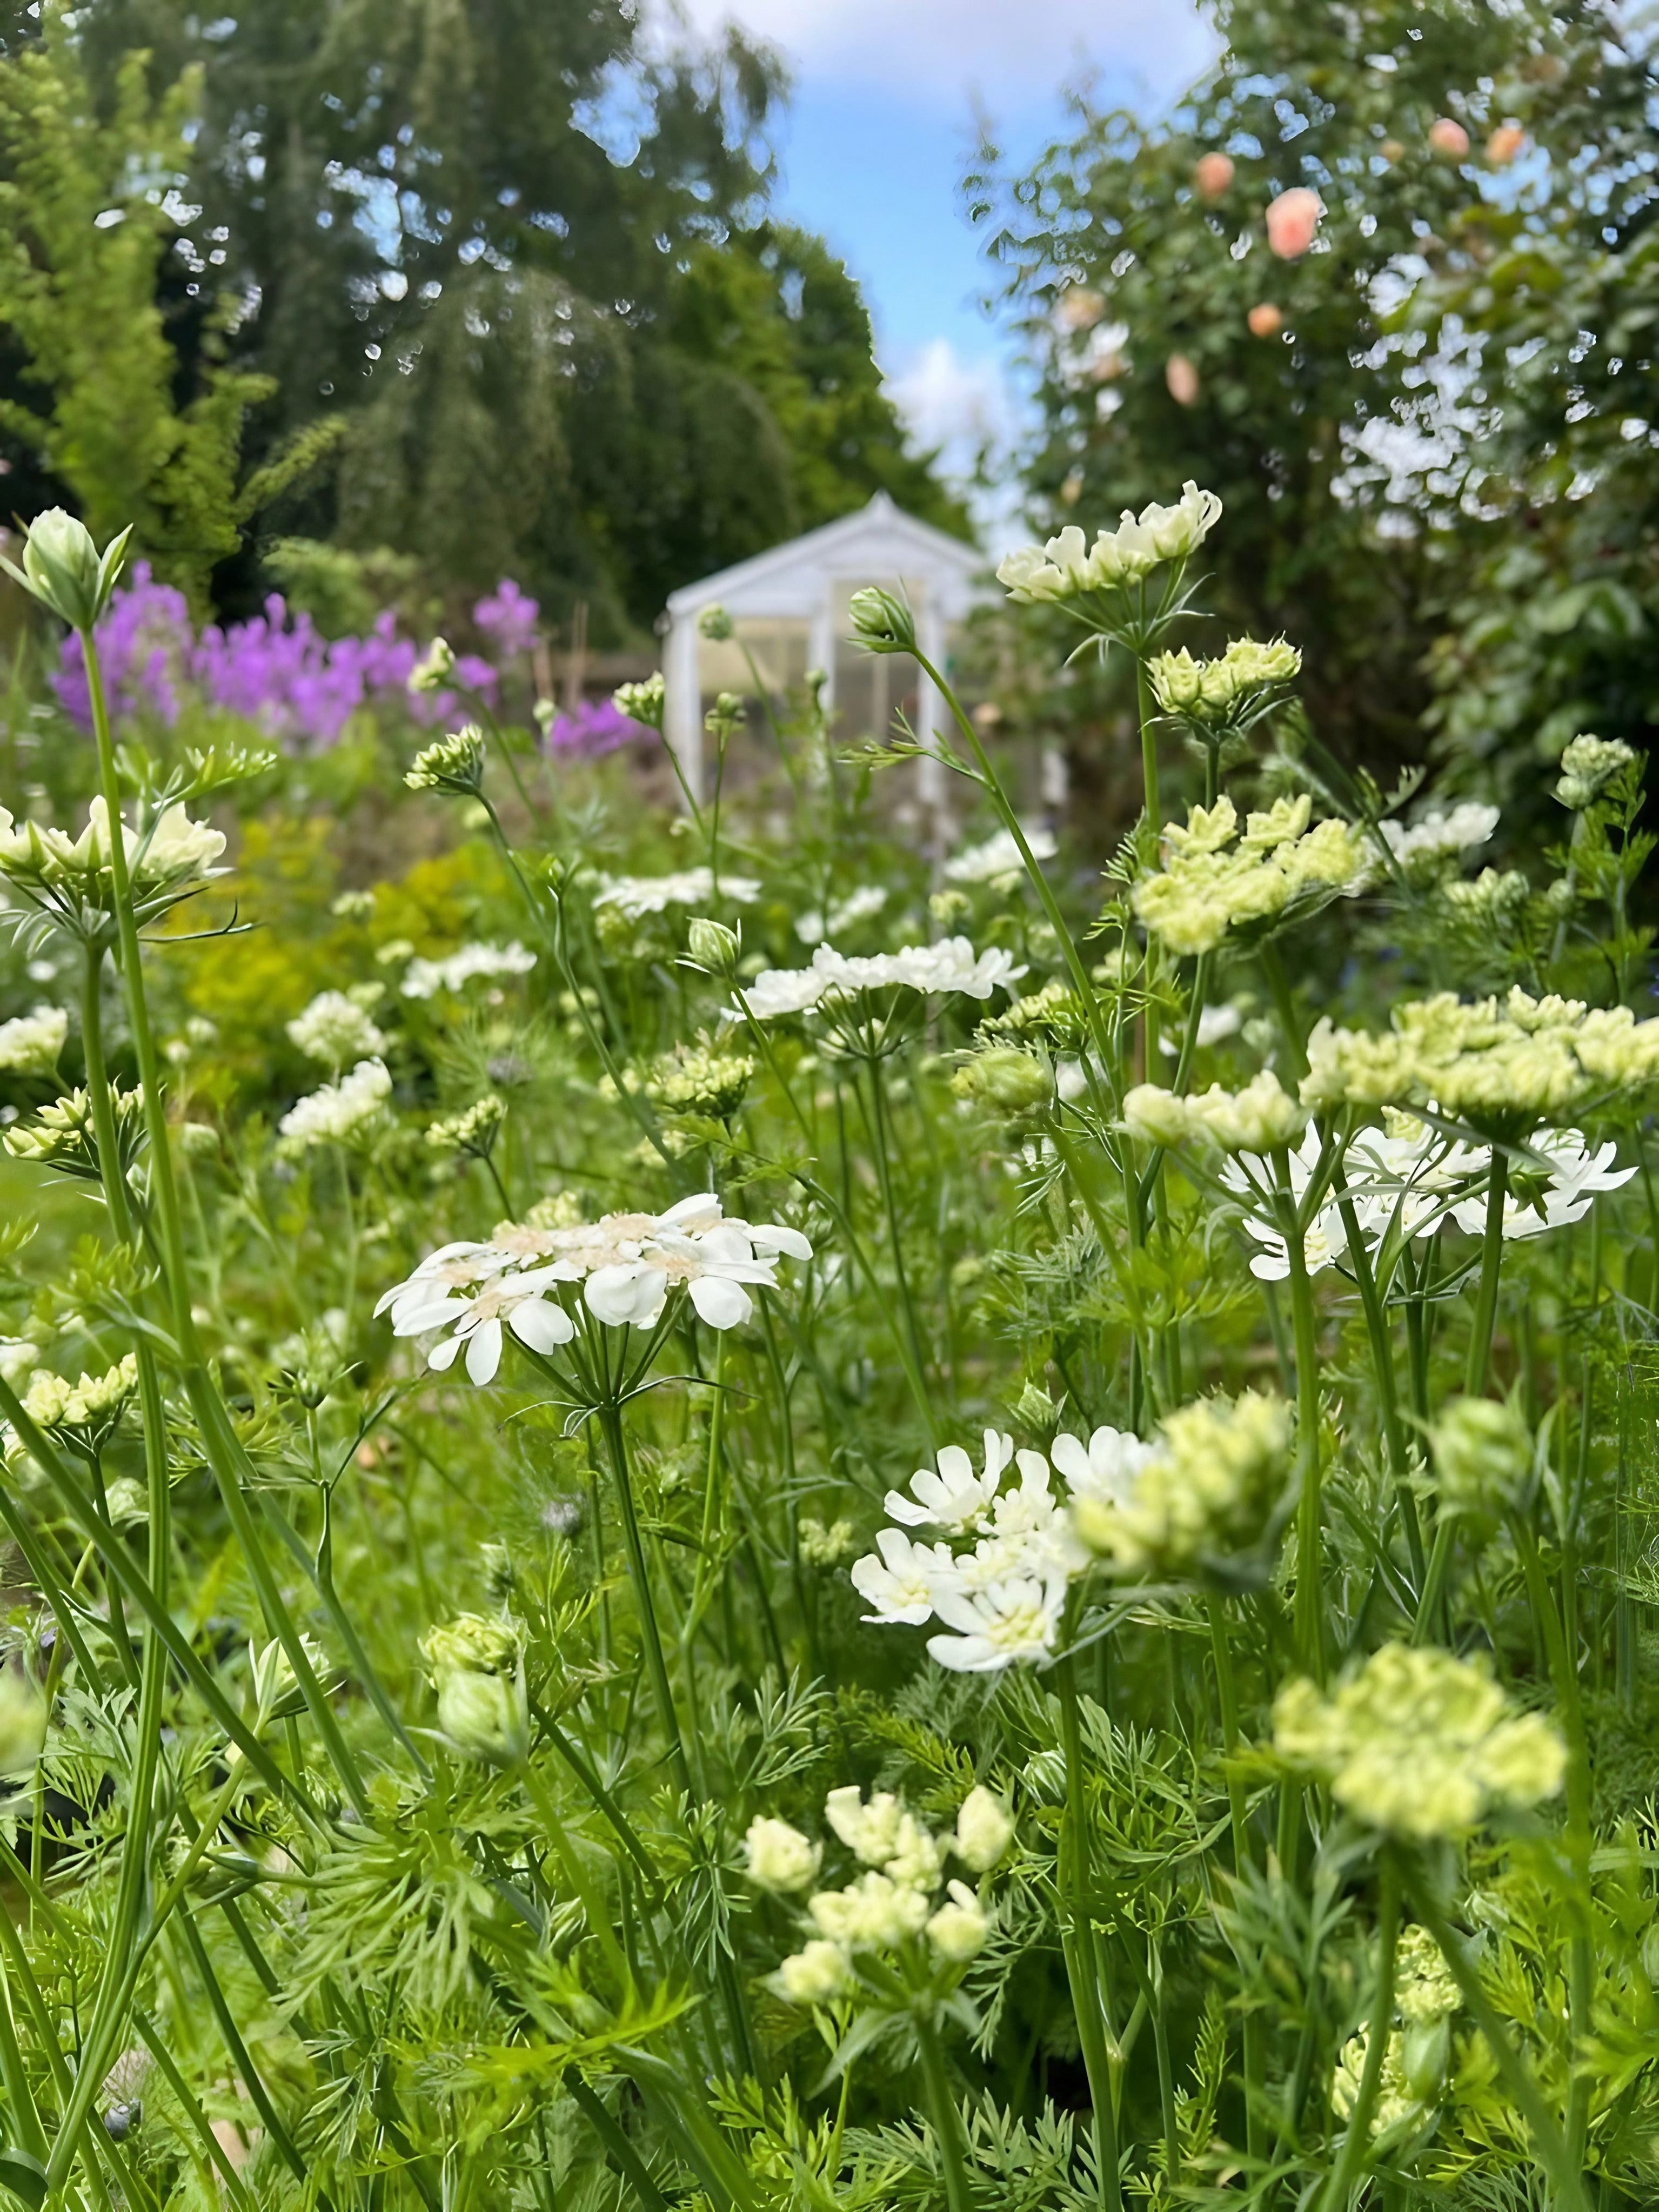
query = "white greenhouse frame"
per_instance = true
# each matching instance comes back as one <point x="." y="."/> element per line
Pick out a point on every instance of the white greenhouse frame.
<point x="802" y="581"/>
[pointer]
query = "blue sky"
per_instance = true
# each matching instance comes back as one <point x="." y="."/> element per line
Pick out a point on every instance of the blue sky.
<point x="886" y="93"/>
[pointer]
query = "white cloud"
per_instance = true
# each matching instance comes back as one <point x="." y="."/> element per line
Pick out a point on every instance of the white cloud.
<point x="934" y="51"/>
<point x="950" y="401"/>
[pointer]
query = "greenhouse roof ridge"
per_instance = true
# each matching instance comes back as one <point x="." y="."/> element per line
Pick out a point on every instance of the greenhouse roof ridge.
<point x="879" y="535"/>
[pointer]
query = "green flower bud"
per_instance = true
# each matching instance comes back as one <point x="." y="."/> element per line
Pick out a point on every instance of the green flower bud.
<point x="716" y="625"/>
<point x="985" y="1828"/>
<point x="1006" y="1081"/>
<point x="1483" y="1453"/>
<point x="454" y="764"/>
<point x="881" y="621"/>
<point x="641" y="702"/>
<point x="476" y="1667"/>
<point x="62" y="567"/>
<point x="713" y="945"/>
<point x="435" y="667"/>
<point x="22" y="1721"/>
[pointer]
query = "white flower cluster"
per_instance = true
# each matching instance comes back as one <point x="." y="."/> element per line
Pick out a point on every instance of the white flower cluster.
<point x="861" y="905"/>
<point x="635" y="897"/>
<point x="339" y="1111"/>
<point x="424" y="979"/>
<point x="1209" y="883"/>
<point x="1068" y="566"/>
<point x="625" y="1263"/>
<point x="892" y="1904"/>
<point x="30" y="1044"/>
<point x="1003" y="1594"/>
<point x="999" y="855"/>
<point x="1411" y="1174"/>
<point x="950" y="965"/>
<point x="175" y="851"/>
<point x="335" y="1028"/>
<point x="1440" y="835"/>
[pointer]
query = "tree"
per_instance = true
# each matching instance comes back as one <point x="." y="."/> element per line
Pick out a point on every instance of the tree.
<point x="87" y="210"/>
<point x="1404" y="418"/>
<point x="528" y="257"/>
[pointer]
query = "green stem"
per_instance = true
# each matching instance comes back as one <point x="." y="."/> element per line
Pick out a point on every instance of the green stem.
<point x="1518" y="2077"/>
<point x="947" y="2120"/>
<point x="1278" y="989"/>
<point x="1309" y="1576"/>
<point x="1078" y="1942"/>
<point x="1492" y="1259"/>
<point x="1356" y="2142"/>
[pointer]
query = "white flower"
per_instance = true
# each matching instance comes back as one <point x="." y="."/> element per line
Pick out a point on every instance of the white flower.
<point x="899" y="1584"/>
<point x="520" y="1300"/>
<point x="874" y="1913"/>
<point x="714" y="1257"/>
<point x="634" y="896"/>
<point x="780" y="1857"/>
<point x="858" y="906"/>
<point x="1324" y="1242"/>
<point x="1577" y="1175"/>
<point x="777" y="991"/>
<point x="1215" y="1025"/>
<point x="884" y="1834"/>
<point x="950" y="965"/>
<point x="339" y="1110"/>
<point x="335" y="1029"/>
<point x="1105" y="1468"/>
<point x="30" y="1044"/>
<point x="1012" y="1622"/>
<point x="953" y="1497"/>
<point x="985" y="1828"/>
<point x="424" y="979"/>
<point x="1000" y="856"/>
<point x="1441" y="835"/>
<point x="957" y="1930"/>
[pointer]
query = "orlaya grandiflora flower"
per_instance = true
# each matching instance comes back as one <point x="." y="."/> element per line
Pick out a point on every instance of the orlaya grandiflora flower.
<point x="1004" y="1596"/>
<point x="694" y="1244"/>
<point x="1410" y="1176"/>
<point x="521" y="1301"/>
<point x="625" y="1263"/>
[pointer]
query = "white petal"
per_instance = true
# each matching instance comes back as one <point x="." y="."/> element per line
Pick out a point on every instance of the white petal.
<point x="1069" y="1455"/>
<point x="771" y="1236"/>
<point x="721" y="1303"/>
<point x="541" y="1324"/>
<point x="484" y="1351"/>
<point x="442" y="1355"/>
<point x="431" y="1313"/>
<point x="905" y="1509"/>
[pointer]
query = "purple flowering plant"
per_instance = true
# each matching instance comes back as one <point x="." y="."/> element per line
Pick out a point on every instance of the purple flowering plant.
<point x="278" y="671"/>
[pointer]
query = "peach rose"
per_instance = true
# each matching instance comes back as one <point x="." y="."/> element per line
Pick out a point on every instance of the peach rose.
<point x="1266" y="320"/>
<point x="1293" y="219"/>
<point x="1213" y="173"/>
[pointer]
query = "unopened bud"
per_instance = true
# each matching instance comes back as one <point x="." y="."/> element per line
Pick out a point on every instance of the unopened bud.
<point x="882" y="621"/>
<point x="985" y="1828"/>
<point x="712" y="944"/>
<point x="476" y="1667"/>
<point x="716" y="625"/>
<point x="1483" y="1454"/>
<point x="62" y="569"/>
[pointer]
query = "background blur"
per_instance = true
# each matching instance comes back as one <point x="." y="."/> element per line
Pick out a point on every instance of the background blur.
<point x="387" y="306"/>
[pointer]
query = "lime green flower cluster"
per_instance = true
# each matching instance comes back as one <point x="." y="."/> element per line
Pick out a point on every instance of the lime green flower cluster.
<point x="1483" y="1453"/>
<point x="1588" y="765"/>
<point x="1005" y="1081"/>
<point x="1214" y="691"/>
<point x="1054" y="1015"/>
<point x="702" y="1078"/>
<point x="1207" y="1494"/>
<point x="473" y="1131"/>
<point x="1419" y="1744"/>
<point x="454" y="764"/>
<point x="1257" y="1119"/>
<point x="1490" y="1061"/>
<point x="61" y="1135"/>
<point x="88" y="1408"/>
<point x="1214" y="880"/>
